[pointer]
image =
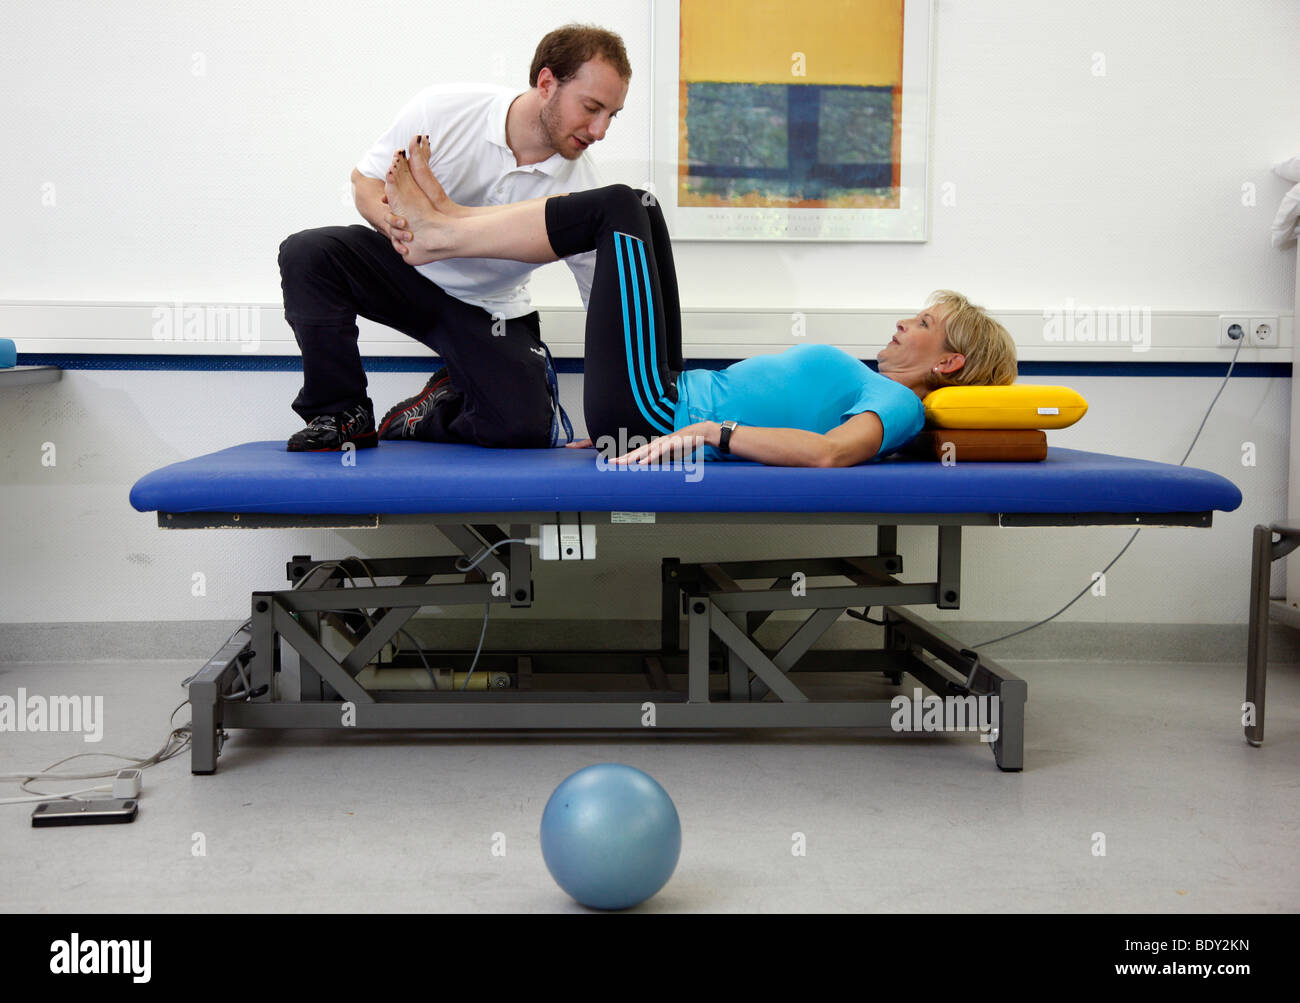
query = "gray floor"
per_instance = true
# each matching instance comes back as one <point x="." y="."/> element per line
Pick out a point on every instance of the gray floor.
<point x="1149" y="755"/>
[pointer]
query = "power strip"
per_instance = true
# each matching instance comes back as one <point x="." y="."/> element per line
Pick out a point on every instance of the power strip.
<point x="568" y="541"/>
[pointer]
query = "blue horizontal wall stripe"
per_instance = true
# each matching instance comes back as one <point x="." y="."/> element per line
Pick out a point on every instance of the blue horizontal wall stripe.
<point x="410" y="364"/>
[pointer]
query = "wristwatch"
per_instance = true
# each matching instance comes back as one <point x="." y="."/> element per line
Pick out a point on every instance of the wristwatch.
<point x="724" y="437"/>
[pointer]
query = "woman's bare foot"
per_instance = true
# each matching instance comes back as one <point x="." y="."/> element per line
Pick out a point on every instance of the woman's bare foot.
<point x="432" y="235"/>
<point x="430" y="185"/>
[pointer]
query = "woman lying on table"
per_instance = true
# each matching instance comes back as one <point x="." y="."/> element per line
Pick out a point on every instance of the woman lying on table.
<point x="809" y="406"/>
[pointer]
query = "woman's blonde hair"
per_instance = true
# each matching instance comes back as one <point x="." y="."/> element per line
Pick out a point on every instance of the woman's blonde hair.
<point x="990" y="352"/>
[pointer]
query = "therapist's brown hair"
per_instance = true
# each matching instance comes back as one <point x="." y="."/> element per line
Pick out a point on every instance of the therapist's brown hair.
<point x="565" y="49"/>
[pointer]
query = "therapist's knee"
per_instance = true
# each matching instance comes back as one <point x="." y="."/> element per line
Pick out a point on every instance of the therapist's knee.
<point x="298" y="250"/>
<point x="308" y="252"/>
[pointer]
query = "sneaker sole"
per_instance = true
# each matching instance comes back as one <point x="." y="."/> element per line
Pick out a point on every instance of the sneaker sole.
<point x="370" y="441"/>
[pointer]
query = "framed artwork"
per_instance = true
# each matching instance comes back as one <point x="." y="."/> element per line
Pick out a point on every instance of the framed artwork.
<point x="792" y="119"/>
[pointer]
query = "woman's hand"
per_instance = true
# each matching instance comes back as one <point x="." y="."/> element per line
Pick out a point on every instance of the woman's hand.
<point x="678" y="445"/>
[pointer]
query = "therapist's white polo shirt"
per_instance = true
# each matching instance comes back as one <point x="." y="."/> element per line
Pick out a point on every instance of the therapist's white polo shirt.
<point x="466" y="126"/>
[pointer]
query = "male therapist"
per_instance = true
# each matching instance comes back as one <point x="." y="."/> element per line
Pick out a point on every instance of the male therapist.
<point x="489" y="146"/>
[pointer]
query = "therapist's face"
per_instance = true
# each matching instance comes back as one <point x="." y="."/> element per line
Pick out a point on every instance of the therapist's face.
<point x="918" y="344"/>
<point x="578" y="113"/>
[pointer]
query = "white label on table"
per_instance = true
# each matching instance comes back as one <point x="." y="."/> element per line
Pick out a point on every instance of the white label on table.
<point x="631" y="517"/>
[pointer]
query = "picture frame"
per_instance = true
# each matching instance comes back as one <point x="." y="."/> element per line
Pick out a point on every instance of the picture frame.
<point x="783" y="121"/>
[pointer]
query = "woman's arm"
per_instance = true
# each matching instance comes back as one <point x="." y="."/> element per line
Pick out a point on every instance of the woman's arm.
<point x="854" y="442"/>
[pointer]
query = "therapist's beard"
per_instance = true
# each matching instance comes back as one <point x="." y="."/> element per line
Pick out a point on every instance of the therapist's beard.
<point x="548" y="119"/>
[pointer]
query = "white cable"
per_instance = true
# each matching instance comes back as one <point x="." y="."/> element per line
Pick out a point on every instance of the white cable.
<point x="161" y="756"/>
<point x="487" y="608"/>
<point x="55" y="797"/>
<point x="167" y="751"/>
<point x="531" y="541"/>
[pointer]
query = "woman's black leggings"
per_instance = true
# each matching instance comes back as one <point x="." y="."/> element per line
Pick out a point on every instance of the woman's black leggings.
<point x="634" y="332"/>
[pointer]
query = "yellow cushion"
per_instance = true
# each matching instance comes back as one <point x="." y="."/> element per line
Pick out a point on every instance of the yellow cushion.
<point x="1019" y="405"/>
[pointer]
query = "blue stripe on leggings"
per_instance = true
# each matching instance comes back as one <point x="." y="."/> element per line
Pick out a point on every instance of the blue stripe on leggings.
<point x="627" y="339"/>
<point x="640" y="331"/>
<point x="627" y="325"/>
<point x="654" y="366"/>
<point x="642" y="346"/>
<point x="637" y="393"/>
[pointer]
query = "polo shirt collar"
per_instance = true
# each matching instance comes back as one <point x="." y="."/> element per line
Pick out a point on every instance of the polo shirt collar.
<point x="551" y="166"/>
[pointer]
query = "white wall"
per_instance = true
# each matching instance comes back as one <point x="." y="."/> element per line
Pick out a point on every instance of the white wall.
<point x="1122" y="189"/>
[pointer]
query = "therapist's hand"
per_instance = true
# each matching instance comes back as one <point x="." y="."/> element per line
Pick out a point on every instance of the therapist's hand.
<point x="372" y="203"/>
<point x="579" y="444"/>
<point x="394" y="228"/>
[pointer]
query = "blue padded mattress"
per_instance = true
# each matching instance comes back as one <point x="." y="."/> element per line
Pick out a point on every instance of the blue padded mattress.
<point x="419" y="477"/>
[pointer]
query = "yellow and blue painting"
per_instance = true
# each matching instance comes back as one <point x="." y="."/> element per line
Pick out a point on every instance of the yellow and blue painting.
<point x="790" y="103"/>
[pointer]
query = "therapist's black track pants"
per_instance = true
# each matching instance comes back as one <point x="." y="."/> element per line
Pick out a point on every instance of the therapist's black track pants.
<point x="334" y="274"/>
<point x="634" y="335"/>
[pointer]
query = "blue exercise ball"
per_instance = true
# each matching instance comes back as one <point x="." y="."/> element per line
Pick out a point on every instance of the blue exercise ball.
<point x="611" y="836"/>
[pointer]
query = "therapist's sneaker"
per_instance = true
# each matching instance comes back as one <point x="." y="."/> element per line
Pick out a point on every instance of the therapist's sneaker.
<point x="331" y="432"/>
<point x="403" y="420"/>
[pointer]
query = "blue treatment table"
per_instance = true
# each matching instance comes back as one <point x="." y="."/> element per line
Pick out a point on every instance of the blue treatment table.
<point x="724" y="678"/>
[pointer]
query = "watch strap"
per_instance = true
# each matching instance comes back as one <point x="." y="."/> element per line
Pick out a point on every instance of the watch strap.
<point x="724" y="437"/>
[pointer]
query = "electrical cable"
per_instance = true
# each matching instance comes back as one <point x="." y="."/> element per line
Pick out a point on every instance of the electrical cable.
<point x="432" y="678"/>
<point x="984" y="644"/>
<point x="56" y="797"/>
<point x="462" y="566"/>
<point x="487" y="608"/>
<point x="178" y="739"/>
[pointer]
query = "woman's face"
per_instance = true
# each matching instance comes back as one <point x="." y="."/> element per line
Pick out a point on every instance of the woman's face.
<point x="917" y="345"/>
